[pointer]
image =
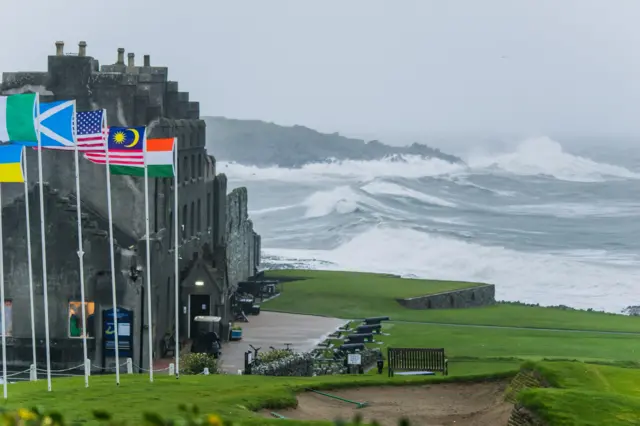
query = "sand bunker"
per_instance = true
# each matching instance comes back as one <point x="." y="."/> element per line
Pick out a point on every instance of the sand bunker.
<point x="460" y="404"/>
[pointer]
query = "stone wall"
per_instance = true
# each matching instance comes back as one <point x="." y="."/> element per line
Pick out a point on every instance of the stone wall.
<point x="466" y="298"/>
<point x="62" y="276"/>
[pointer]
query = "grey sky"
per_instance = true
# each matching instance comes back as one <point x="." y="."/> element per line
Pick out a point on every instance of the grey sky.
<point x="392" y="69"/>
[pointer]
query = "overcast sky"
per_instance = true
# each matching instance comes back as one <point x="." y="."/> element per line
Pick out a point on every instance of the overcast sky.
<point x="393" y="69"/>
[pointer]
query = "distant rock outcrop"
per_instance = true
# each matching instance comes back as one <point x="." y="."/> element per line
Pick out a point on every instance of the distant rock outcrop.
<point x="266" y="144"/>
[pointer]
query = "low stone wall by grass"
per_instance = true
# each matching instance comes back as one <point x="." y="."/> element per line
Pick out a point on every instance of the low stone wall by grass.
<point x="483" y="295"/>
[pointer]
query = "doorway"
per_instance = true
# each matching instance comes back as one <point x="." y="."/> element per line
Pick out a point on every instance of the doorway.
<point x="199" y="304"/>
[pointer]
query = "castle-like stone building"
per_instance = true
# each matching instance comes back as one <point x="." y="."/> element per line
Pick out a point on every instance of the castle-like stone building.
<point x="218" y="247"/>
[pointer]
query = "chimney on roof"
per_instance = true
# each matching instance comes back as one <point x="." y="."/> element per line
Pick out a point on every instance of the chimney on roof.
<point x="120" y="56"/>
<point x="147" y="60"/>
<point x="82" y="48"/>
<point x="59" y="48"/>
<point x="131" y="57"/>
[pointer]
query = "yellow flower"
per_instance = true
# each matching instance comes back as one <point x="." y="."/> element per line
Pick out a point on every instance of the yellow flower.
<point x="214" y="420"/>
<point x="25" y="414"/>
<point x="47" y="421"/>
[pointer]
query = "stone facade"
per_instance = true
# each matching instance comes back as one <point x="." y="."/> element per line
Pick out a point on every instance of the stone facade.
<point x="466" y="298"/>
<point x="218" y="247"/>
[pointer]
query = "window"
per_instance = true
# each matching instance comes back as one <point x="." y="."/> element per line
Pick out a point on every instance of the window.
<point x="184" y="221"/>
<point x="208" y="210"/>
<point x="193" y="166"/>
<point x="171" y="228"/>
<point x="75" y="318"/>
<point x="185" y="169"/>
<point x="199" y="216"/>
<point x="8" y="316"/>
<point x="193" y="218"/>
<point x="199" y="165"/>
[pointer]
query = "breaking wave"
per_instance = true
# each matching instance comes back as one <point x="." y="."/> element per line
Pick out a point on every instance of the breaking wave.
<point x="533" y="157"/>
<point x="528" y="277"/>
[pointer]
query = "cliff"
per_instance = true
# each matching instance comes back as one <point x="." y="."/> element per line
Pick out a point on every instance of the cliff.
<point x="268" y="144"/>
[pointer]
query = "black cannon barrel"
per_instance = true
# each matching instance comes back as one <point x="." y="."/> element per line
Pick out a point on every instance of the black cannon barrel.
<point x="375" y="320"/>
<point x="350" y="347"/>
<point x="369" y="328"/>
<point x="365" y="335"/>
<point x="360" y="337"/>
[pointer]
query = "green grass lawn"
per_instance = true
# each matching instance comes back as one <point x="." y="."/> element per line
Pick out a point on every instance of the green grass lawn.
<point x="585" y="395"/>
<point x="358" y="295"/>
<point x="461" y="341"/>
<point x="231" y="396"/>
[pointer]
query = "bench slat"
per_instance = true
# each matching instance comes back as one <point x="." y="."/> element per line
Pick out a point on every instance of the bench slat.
<point x="417" y="359"/>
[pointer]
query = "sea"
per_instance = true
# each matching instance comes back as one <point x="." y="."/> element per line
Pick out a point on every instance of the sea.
<point x="547" y="224"/>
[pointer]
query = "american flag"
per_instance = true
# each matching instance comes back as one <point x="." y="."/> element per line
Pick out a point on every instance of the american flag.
<point x="91" y="130"/>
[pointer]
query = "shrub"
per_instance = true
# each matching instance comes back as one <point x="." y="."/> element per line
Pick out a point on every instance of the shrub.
<point x="274" y="355"/>
<point x="190" y="416"/>
<point x="196" y="363"/>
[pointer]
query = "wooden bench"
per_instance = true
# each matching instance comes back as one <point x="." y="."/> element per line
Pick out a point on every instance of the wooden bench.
<point x="417" y="360"/>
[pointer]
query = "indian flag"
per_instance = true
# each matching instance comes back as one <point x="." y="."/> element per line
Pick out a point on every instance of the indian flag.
<point x="159" y="160"/>
<point x="17" y="118"/>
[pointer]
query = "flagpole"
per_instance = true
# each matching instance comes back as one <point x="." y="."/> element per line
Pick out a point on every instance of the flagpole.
<point x="83" y="304"/>
<point x="113" y="267"/>
<point x="148" y="274"/>
<point x="175" y="253"/>
<point x="28" y="222"/>
<point x="45" y="287"/>
<point x="2" y="308"/>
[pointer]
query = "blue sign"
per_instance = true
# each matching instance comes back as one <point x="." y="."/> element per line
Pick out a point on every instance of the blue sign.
<point x="125" y="333"/>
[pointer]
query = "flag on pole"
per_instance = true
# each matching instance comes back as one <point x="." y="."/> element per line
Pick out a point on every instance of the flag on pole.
<point x="130" y="160"/>
<point x="56" y="126"/>
<point x="18" y="118"/>
<point x="91" y="130"/>
<point x="10" y="171"/>
<point x="11" y="158"/>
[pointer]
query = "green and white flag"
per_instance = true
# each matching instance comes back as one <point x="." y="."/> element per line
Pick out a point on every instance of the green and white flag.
<point x="18" y="118"/>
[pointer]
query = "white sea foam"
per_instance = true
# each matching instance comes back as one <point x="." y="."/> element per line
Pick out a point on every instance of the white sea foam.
<point x="387" y="188"/>
<point x="549" y="279"/>
<point x="544" y="156"/>
<point x="570" y="210"/>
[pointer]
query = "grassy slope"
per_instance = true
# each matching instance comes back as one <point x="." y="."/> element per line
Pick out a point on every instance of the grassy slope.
<point x="358" y="295"/>
<point x="585" y="395"/>
<point x="229" y="396"/>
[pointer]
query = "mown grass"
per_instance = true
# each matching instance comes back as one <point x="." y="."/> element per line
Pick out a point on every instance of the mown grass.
<point x="460" y="341"/>
<point x="358" y="295"/>
<point x="584" y="394"/>
<point x="232" y="397"/>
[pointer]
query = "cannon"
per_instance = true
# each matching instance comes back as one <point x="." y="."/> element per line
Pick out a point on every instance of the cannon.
<point x="377" y="328"/>
<point x="352" y="347"/>
<point x="375" y="320"/>
<point x="360" y="338"/>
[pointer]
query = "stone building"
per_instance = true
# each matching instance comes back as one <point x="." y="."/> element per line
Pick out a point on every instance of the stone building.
<point x="218" y="246"/>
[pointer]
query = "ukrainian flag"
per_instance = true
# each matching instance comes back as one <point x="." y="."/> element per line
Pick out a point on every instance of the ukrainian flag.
<point x="11" y="163"/>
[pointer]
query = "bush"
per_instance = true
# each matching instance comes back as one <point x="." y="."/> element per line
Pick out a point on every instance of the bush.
<point x="196" y="363"/>
<point x="274" y="355"/>
<point x="190" y="416"/>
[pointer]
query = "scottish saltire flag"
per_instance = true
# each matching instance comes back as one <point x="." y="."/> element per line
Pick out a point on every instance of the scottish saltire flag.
<point x="91" y="130"/>
<point x="126" y="147"/>
<point x="56" y="125"/>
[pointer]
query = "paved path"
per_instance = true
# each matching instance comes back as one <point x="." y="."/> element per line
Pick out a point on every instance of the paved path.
<point x="275" y="329"/>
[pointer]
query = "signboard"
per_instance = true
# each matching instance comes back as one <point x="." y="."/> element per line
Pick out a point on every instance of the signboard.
<point x="125" y="333"/>
<point x="354" y="359"/>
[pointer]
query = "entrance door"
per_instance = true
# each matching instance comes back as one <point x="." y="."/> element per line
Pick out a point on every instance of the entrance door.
<point x="199" y="304"/>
